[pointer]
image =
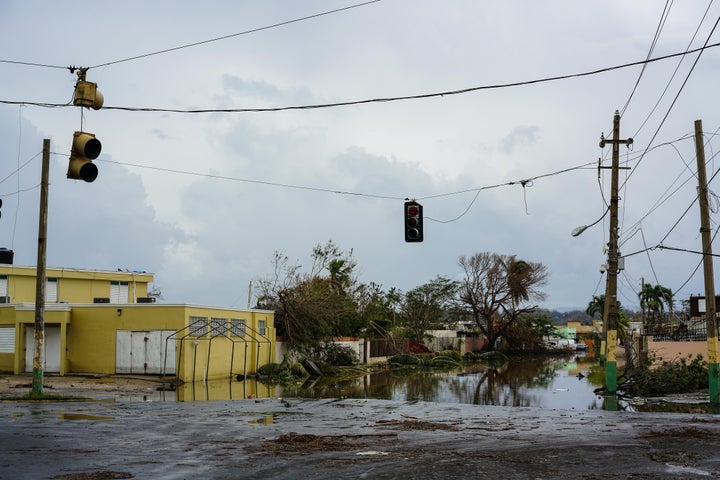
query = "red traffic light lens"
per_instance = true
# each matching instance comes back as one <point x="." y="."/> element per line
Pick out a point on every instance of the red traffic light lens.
<point x="413" y="211"/>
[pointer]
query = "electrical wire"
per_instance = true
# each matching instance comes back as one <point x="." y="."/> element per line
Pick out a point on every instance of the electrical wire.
<point x="699" y="263"/>
<point x="375" y="100"/>
<point x="246" y="180"/>
<point x="658" y="30"/>
<point x="30" y="64"/>
<point x="652" y="267"/>
<point x="20" y="167"/>
<point x="672" y="105"/>
<point x="246" y="32"/>
<point x="343" y="192"/>
<point x="672" y="77"/>
<point x="195" y="44"/>
<point x="665" y="196"/>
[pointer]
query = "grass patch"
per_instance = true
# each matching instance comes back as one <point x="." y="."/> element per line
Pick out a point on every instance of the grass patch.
<point x="29" y="397"/>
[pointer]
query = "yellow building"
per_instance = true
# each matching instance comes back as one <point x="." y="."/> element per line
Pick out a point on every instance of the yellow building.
<point x="105" y="322"/>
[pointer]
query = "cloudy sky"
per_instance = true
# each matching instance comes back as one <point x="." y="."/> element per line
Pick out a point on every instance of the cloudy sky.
<point x="203" y="200"/>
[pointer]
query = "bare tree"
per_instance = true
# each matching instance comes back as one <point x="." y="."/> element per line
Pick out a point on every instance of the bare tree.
<point x="425" y="306"/>
<point x="497" y="289"/>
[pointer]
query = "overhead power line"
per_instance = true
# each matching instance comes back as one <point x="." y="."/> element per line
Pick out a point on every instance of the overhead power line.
<point x="246" y="32"/>
<point x="195" y="44"/>
<point x="477" y="190"/>
<point x="375" y="100"/>
<point x="677" y="95"/>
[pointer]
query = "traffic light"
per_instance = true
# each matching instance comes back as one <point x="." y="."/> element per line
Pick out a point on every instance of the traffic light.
<point x="413" y="222"/>
<point x="86" y="93"/>
<point x="85" y="148"/>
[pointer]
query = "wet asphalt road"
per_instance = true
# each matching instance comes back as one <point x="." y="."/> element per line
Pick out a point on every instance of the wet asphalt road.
<point x="331" y="439"/>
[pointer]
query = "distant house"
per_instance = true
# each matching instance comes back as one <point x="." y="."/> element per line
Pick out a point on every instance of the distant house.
<point x="104" y="322"/>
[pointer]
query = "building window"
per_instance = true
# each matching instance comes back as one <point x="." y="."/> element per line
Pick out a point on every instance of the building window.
<point x="237" y="327"/>
<point x="198" y="326"/>
<point x="119" y="292"/>
<point x="51" y="290"/>
<point x="262" y="326"/>
<point x="7" y="339"/>
<point x="218" y="326"/>
<point x="4" y="298"/>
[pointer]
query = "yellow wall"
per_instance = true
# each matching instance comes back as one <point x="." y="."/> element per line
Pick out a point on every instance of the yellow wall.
<point x="74" y="286"/>
<point x="89" y="337"/>
<point x="92" y="336"/>
<point x="224" y="355"/>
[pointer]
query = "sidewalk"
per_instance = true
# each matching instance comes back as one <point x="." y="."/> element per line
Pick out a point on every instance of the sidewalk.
<point x="331" y="439"/>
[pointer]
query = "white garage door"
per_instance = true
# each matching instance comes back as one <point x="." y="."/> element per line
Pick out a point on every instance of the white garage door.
<point x="143" y="352"/>
<point x="52" y="349"/>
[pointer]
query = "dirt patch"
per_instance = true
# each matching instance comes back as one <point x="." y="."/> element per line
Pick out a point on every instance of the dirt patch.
<point x="124" y="387"/>
<point x="684" y="432"/>
<point x="295" y="442"/>
<point x="416" y="425"/>
<point x="100" y="475"/>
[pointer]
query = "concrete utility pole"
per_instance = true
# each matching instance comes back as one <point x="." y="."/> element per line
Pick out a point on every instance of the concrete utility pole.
<point x="39" y="355"/>
<point x="611" y="304"/>
<point x="710" y="307"/>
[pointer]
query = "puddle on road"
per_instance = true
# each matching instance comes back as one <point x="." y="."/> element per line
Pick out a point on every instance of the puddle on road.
<point x="83" y="416"/>
<point x="266" y="420"/>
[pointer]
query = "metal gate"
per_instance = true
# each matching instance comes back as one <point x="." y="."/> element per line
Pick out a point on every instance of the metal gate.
<point x="143" y="352"/>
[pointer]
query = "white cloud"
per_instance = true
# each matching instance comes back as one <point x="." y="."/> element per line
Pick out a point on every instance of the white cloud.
<point x="206" y="237"/>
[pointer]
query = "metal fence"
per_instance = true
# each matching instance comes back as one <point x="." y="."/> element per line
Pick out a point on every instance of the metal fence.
<point x="676" y="329"/>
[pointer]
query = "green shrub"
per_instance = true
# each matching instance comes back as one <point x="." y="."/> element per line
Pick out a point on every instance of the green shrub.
<point x="471" y="357"/>
<point x="454" y="354"/>
<point x="337" y="355"/>
<point x="404" y="359"/>
<point x="442" y="361"/>
<point x="270" y="369"/>
<point x="493" y="359"/>
<point x="670" y="377"/>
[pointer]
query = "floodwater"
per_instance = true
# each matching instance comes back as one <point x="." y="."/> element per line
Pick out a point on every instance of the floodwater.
<point x="541" y="381"/>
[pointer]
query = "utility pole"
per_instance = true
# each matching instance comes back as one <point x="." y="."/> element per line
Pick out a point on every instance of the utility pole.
<point x="611" y="305"/>
<point x="710" y="307"/>
<point x="39" y="355"/>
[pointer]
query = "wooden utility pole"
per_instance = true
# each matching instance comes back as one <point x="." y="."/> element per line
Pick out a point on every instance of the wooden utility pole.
<point x="710" y="307"/>
<point x="39" y="355"/>
<point x="611" y="304"/>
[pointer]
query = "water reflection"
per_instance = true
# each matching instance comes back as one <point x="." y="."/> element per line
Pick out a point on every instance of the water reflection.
<point x="543" y="382"/>
<point x="223" y="390"/>
<point x="546" y="382"/>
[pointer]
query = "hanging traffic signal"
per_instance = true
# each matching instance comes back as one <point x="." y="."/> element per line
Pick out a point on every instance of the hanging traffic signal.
<point x="86" y="93"/>
<point x="85" y="148"/>
<point x="413" y="222"/>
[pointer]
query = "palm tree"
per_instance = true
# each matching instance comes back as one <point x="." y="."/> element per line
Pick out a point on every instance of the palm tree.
<point x="518" y="272"/>
<point x="596" y="306"/>
<point x="653" y="300"/>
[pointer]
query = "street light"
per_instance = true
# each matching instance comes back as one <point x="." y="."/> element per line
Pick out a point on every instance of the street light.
<point x="578" y="230"/>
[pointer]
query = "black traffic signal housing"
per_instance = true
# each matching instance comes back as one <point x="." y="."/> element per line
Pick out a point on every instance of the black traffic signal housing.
<point x="413" y="222"/>
<point x="85" y="149"/>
